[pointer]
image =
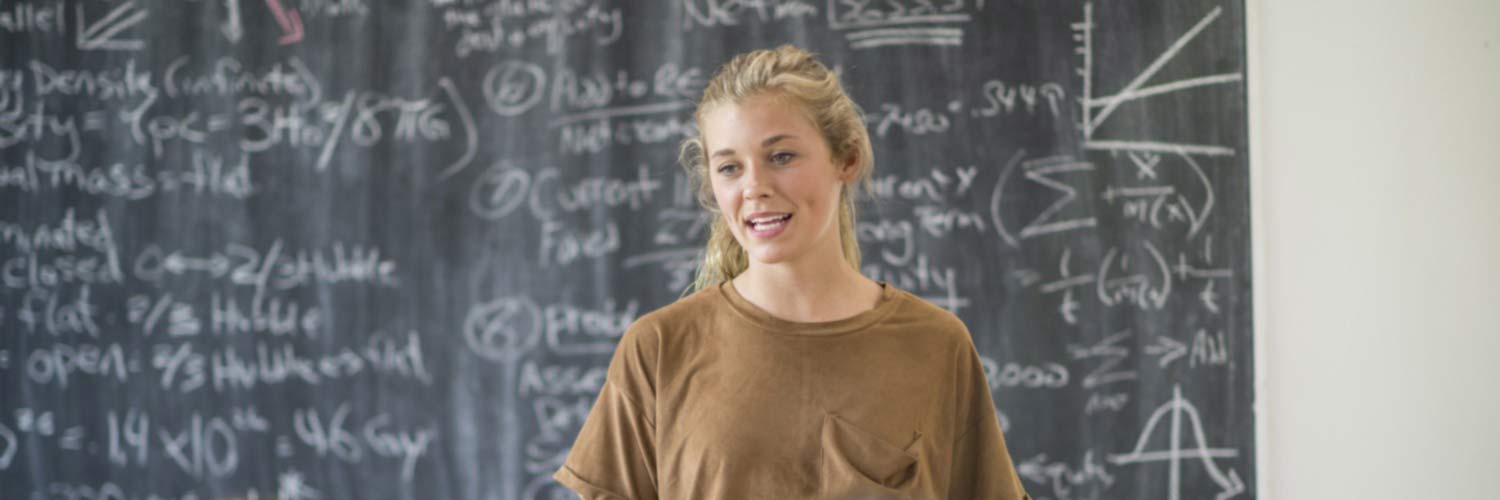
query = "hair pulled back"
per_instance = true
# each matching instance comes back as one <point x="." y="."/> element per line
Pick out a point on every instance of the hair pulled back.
<point x="793" y="76"/>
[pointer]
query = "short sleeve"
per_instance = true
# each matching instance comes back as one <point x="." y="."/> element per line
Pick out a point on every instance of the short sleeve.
<point x="982" y="467"/>
<point x="614" y="456"/>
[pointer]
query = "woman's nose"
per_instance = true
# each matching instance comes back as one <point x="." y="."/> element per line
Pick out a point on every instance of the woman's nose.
<point x="756" y="183"/>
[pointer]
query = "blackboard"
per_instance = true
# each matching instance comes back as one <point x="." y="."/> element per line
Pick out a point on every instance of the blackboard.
<point x="341" y="249"/>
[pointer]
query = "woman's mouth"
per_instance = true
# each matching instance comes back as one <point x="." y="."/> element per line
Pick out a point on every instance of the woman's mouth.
<point x="768" y="226"/>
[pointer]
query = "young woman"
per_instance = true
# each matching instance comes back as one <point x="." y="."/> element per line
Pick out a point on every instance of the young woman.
<point x="787" y="374"/>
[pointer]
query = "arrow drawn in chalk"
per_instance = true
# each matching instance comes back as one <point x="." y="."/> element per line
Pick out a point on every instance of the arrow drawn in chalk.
<point x="290" y="21"/>
<point x="100" y="34"/>
<point x="1168" y="348"/>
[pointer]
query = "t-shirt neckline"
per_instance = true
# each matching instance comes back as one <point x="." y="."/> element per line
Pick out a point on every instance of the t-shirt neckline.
<point x="770" y="323"/>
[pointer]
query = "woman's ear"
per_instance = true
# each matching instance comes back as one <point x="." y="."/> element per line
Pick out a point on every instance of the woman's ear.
<point x="849" y="171"/>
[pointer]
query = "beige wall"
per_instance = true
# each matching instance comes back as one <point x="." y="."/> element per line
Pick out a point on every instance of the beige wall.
<point x="1376" y="168"/>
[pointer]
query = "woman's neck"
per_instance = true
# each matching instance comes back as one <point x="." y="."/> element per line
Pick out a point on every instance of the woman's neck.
<point x="822" y="290"/>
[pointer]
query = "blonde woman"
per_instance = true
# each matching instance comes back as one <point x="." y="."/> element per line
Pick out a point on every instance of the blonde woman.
<point x="787" y="374"/>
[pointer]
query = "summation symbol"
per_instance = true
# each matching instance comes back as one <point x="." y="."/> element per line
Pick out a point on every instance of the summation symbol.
<point x="1229" y="482"/>
<point x="1044" y="171"/>
<point x="1111" y="355"/>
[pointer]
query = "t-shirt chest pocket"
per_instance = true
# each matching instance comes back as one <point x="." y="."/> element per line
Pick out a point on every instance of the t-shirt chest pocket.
<point x="857" y="464"/>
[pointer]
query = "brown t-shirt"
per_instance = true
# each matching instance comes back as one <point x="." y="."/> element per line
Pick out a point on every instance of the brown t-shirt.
<point x="713" y="398"/>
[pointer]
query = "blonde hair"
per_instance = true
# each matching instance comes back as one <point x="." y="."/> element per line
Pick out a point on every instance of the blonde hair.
<point x="793" y="76"/>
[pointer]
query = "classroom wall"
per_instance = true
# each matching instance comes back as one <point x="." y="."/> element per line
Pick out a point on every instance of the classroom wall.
<point x="1377" y="184"/>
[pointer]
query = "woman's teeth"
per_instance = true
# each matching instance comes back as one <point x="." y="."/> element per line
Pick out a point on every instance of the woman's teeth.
<point x="764" y="223"/>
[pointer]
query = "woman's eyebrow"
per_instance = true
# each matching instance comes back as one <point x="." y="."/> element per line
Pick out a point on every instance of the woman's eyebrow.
<point x="774" y="139"/>
<point x="769" y="141"/>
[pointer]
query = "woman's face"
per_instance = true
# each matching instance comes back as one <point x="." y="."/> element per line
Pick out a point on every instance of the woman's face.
<point x="774" y="179"/>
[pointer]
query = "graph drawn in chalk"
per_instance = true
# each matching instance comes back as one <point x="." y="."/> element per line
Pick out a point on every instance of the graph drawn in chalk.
<point x="1096" y="110"/>
<point x="1229" y="482"/>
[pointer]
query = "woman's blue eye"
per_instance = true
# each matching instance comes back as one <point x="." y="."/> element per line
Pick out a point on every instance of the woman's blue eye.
<point x="726" y="168"/>
<point x="782" y="157"/>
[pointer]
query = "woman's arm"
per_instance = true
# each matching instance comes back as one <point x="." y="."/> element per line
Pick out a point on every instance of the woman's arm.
<point x="614" y="456"/>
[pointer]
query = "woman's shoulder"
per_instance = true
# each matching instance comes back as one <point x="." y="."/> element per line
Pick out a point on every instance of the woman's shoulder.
<point x="919" y="314"/>
<point x="684" y="311"/>
<point x="916" y="308"/>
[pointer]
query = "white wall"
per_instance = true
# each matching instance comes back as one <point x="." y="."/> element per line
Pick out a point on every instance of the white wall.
<point x="1376" y="169"/>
